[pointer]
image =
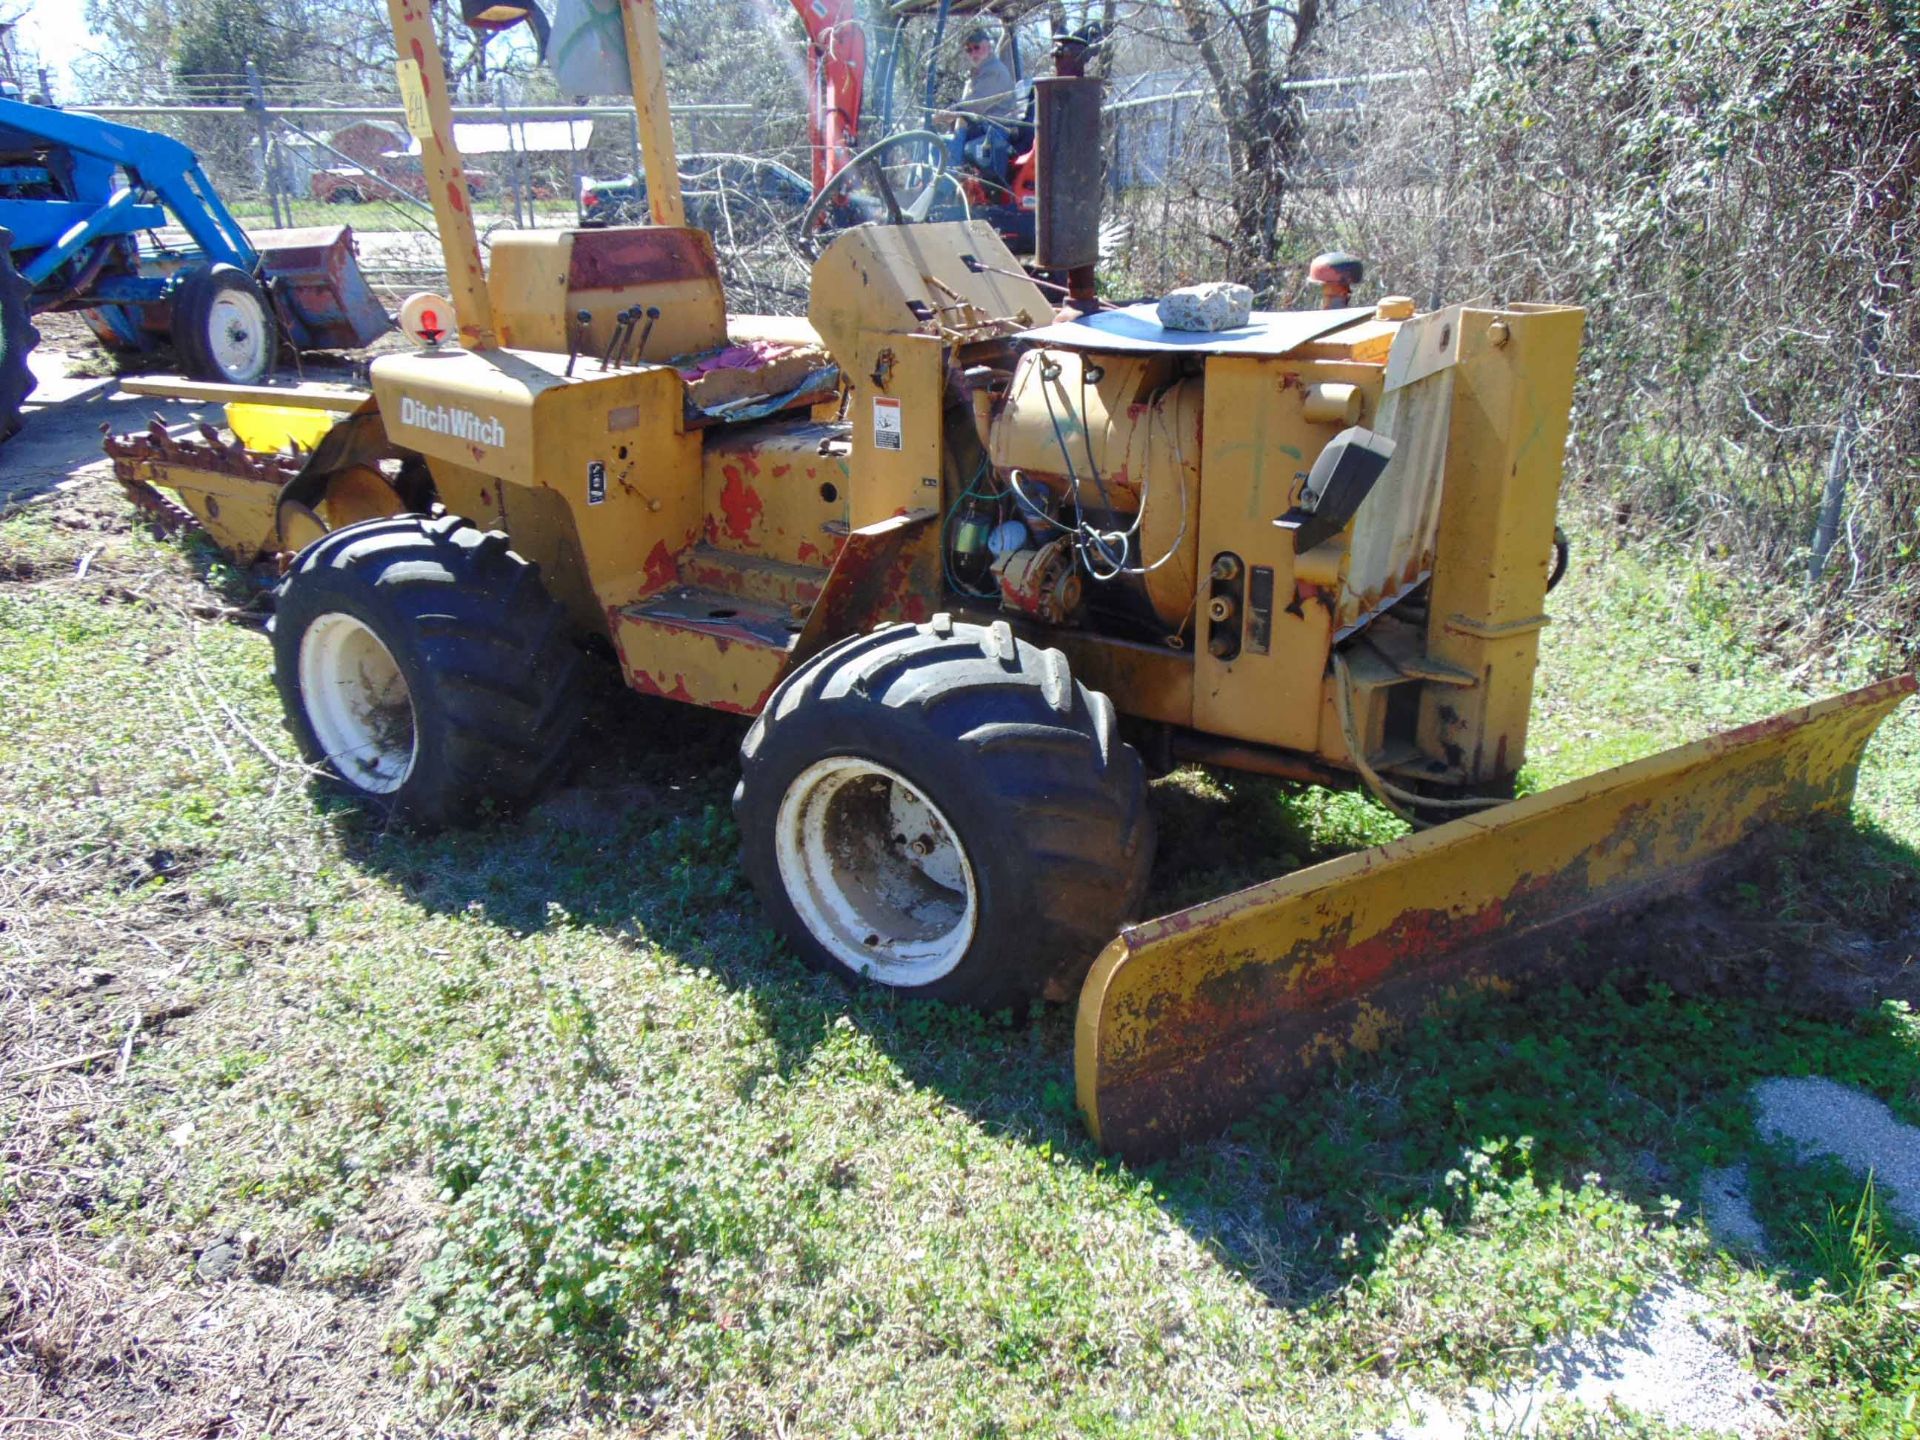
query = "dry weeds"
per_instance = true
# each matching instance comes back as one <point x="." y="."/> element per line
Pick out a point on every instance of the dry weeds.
<point x="109" y="1329"/>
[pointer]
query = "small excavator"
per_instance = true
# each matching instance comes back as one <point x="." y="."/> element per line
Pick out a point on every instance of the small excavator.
<point x="841" y="113"/>
<point x="977" y="555"/>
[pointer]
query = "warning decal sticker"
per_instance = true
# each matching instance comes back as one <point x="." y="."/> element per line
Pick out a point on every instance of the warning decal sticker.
<point x="886" y="423"/>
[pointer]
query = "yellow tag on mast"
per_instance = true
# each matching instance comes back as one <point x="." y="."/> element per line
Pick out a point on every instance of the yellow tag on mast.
<point x="413" y="95"/>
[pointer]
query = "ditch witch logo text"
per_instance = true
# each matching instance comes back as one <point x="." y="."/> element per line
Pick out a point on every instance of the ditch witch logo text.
<point x="459" y="424"/>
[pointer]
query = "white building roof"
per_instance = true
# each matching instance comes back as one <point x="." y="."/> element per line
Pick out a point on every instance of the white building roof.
<point x="491" y="137"/>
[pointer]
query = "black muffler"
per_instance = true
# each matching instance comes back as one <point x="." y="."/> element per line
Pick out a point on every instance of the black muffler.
<point x="1069" y="174"/>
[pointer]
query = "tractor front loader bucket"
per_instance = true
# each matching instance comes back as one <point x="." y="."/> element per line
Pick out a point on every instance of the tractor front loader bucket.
<point x="317" y="284"/>
<point x="1189" y="1021"/>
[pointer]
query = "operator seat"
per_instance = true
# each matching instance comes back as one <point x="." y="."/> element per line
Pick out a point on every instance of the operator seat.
<point x="1020" y="136"/>
<point x="542" y="281"/>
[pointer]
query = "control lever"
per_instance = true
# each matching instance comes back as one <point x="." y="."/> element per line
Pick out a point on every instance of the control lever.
<point x="622" y="323"/>
<point x="582" y="319"/>
<point x="653" y="314"/>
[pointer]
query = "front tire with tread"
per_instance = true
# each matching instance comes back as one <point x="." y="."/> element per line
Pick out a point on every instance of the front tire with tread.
<point x="474" y="661"/>
<point x="224" y="328"/>
<point x="1038" y="811"/>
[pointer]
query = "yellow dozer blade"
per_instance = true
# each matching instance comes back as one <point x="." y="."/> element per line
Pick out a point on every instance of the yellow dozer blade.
<point x="1187" y="1022"/>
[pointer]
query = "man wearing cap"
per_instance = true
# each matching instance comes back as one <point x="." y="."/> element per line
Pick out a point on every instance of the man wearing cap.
<point x="987" y="109"/>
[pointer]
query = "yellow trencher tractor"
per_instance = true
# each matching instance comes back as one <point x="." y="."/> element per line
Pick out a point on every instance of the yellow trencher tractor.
<point x="968" y="558"/>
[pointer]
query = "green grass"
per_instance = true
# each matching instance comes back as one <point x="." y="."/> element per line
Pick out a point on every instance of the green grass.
<point x="542" y="1125"/>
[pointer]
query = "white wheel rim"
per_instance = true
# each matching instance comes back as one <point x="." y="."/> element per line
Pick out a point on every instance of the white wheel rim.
<point x="875" y="872"/>
<point x="358" y="704"/>
<point x="237" y="334"/>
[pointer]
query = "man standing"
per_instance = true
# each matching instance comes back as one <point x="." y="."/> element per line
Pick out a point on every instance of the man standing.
<point x="987" y="111"/>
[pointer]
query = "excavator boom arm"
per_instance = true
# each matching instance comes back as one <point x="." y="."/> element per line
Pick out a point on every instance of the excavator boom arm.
<point x="836" y="75"/>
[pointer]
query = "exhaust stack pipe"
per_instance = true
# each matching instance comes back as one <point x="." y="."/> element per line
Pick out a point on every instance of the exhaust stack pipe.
<point x="1068" y="164"/>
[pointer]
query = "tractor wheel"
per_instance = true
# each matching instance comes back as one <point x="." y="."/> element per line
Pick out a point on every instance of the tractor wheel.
<point x="943" y="809"/>
<point x="223" y="327"/>
<point x="17" y="338"/>
<point x="425" y="667"/>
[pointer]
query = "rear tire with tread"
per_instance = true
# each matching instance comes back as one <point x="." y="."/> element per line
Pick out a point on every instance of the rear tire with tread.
<point x="1037" y="806"/>
<point x="17" y="339"/>
<point x="482" y="679"/>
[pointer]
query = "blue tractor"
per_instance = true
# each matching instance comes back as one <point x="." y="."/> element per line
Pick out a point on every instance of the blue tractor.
<point x="76" y="195"/>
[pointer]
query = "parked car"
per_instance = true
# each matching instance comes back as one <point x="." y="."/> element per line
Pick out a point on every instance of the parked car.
<point x="715" y="188"/>
<point x="355" y="185"/>
<point x="347" y="185"/>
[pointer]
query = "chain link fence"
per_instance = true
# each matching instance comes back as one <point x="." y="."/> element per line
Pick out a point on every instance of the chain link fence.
<point x="1746" y="262"/>
<point x="279" y="161"/>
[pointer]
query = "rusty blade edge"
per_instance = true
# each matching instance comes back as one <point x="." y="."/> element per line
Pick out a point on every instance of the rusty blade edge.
<point x="1889" y="692"/>
<point x="1247" y="991"/>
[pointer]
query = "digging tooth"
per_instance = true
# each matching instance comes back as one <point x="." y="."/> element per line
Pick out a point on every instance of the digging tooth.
<point x="156" y="446"/>
<point x="172" y="516"/>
